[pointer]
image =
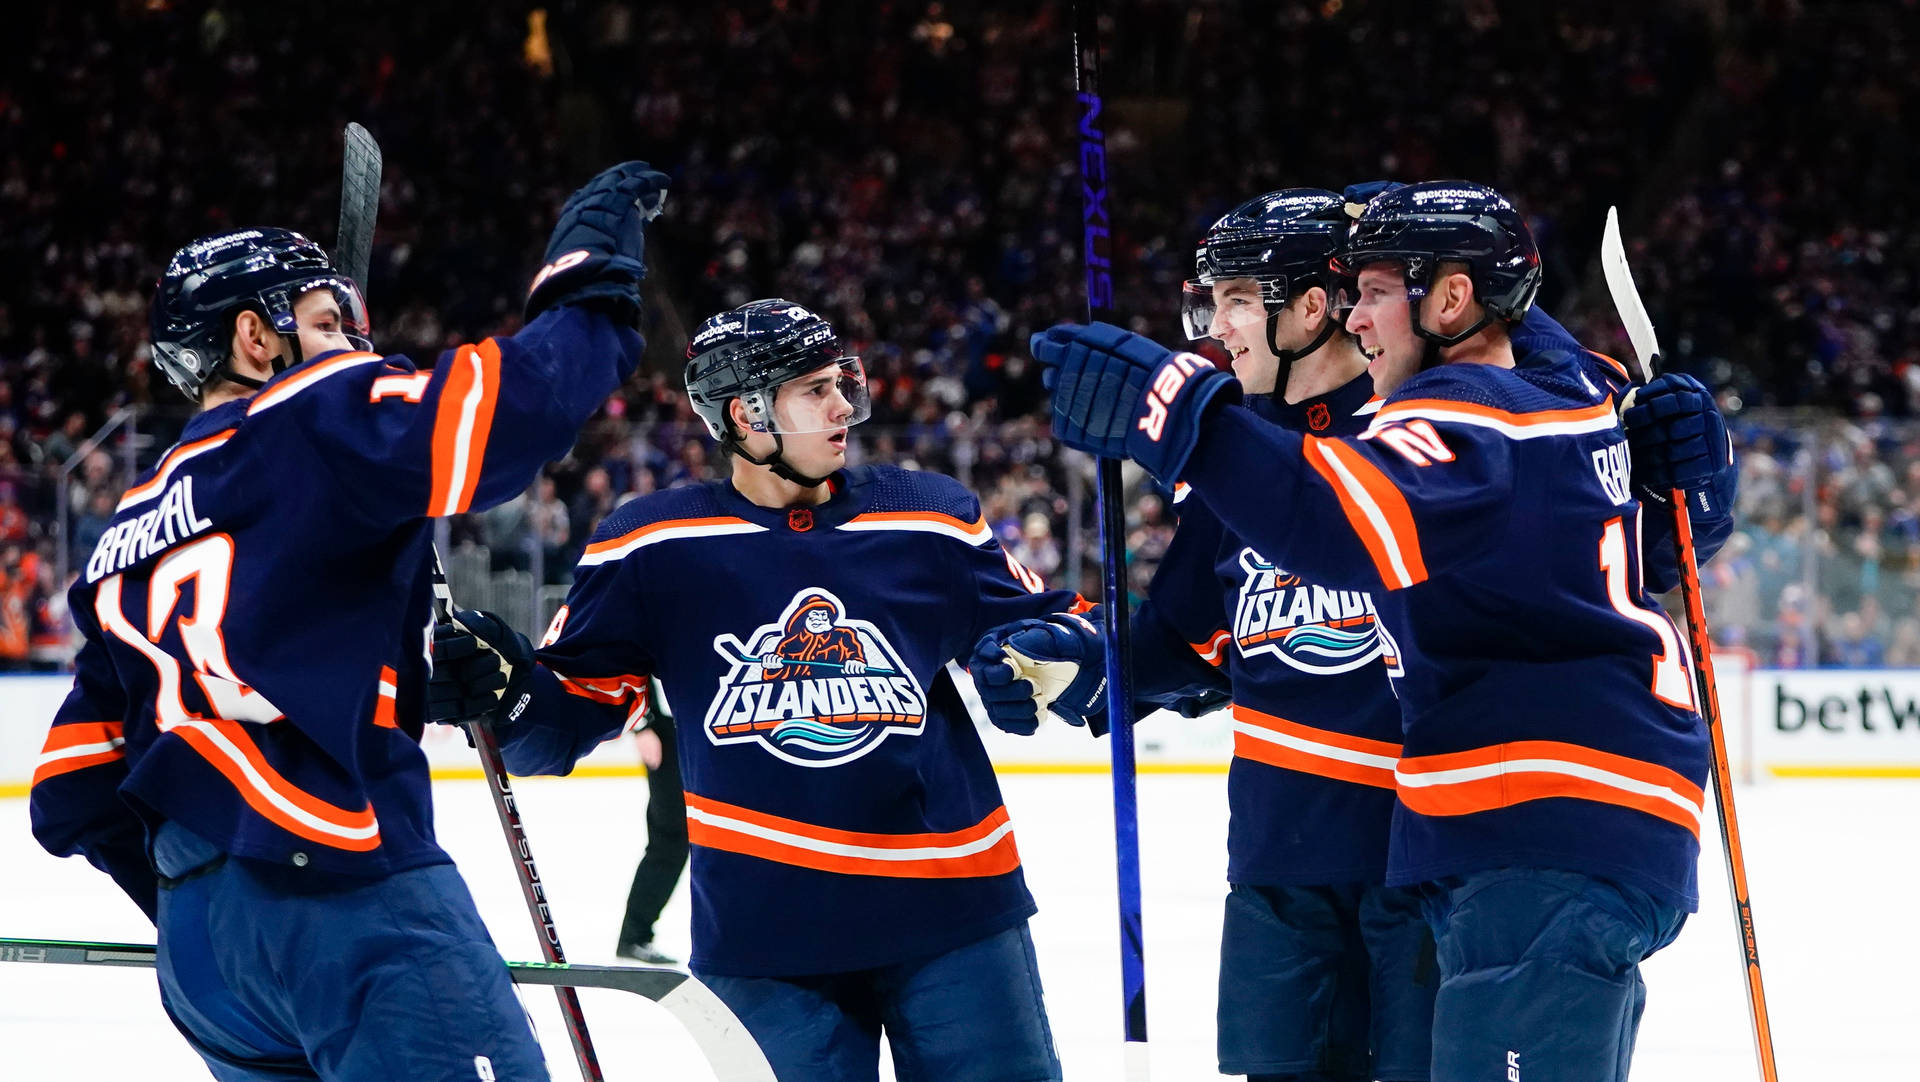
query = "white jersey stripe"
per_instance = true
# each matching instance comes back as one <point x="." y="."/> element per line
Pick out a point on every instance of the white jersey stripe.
<point x="843" y="849"/>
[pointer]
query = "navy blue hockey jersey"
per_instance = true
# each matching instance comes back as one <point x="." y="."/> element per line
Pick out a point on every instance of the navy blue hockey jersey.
<point x="1316" y="726"/>
<point x="842" y="810"/>
<point x="257" y="613"/>
<point x="1548" y="713"/>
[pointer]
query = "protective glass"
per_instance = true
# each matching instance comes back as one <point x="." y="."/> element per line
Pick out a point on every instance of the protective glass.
<point x="1238" y="304"/>
<point x="354" y="322"/>
<point x="822" y="400"/>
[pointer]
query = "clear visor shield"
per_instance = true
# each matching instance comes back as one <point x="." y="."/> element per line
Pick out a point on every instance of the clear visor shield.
<point x="821" y="401"/>
<point x="1213" y="308"/>
<point x="344" y="322"/>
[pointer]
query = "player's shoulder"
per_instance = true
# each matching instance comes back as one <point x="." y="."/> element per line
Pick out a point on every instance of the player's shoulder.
<point x="915" y="501"/>
<point x="1552" y="396"/>
<point x="332" y="380"/>
<point x="689" y="512"/>
<point x="893" y="489"/>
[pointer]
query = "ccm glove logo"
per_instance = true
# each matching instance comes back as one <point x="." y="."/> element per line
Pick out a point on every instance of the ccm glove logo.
<point x="1166" y="387"/>
<point x="566" y="262"/>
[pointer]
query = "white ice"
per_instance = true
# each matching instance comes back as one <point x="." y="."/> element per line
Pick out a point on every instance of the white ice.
<point x="1832" y="866"/>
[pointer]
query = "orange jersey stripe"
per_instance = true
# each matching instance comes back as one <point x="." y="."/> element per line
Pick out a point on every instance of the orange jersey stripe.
<point x="1427" y="406"/>
<point x="259" y="784"/>
<point x="174" y="457"/>
<point x="1214" y="650"/>
<point x="986" y="848"/>
<point x="305" y="376"/>
<point x="1290" y="745"/>
<point x="383" y="706"/>
<point x="651" y="528"/>
<point x="1375" y="509"/>
<point x="461" y="425"/>
<point x="78" y="745"/>
<point x="1502" y="775"/>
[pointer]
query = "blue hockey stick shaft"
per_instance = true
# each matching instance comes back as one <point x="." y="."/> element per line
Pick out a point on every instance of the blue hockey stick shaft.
<point x="1096" y="236"/>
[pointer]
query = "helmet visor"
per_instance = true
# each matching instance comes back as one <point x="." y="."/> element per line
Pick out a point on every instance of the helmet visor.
<point x="1214" y="307"/>
<point x="294" y="306"/>
<point x="831" y="397"/>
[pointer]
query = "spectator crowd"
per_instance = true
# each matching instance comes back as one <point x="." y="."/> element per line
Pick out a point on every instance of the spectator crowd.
<point x="906" y="169"/>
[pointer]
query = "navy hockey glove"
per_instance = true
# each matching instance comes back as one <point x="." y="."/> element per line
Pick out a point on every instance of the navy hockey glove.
<point x="1123" y="396"/>
<point x="598" y="252"/>
<point x="1679" y="440"/>
<point x="1053" y="664"/>
<point x="480" y="670"/>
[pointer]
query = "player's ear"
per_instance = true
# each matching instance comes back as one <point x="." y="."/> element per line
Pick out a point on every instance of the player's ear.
<point x="1456" y="299"/>
<point x="1313" y="309"/>
<point x="737" y="413"/>
<point x="253" y="340"/>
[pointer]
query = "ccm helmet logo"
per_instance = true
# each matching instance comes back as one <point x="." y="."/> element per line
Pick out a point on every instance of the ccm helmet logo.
<point x="1166" y="387"/>
<point x="571" y="259"/>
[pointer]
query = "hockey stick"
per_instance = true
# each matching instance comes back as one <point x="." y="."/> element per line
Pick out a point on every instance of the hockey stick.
<point x="1646" y="348"/>
<point x="722" y="1039"/>
<point x="360" y="168"/>
<point x="360" y="164"/>
<point x="1095" y="228"/>
<point x="494" y="766"/>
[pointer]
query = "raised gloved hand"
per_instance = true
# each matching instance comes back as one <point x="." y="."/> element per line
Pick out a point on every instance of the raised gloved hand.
<point x="1027" y="666"/>
<point x="480" y="670"/>
<point x="1123" y="396"/>
<point x="1679" y="440"/>
<point x="598" y="251"/>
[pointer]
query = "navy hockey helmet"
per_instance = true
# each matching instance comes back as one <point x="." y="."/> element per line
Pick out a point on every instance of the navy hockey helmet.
<point x="748" y="353"/>
<point x="1284" y="241"/>
<point x="1421" y="226"/>
<point x="211" y="281"/>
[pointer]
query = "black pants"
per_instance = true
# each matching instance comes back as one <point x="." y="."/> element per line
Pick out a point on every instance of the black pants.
<point x="666" y="855"/>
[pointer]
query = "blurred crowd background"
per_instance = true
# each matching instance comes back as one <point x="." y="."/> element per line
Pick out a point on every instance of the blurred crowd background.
<point x="907" y="169"/>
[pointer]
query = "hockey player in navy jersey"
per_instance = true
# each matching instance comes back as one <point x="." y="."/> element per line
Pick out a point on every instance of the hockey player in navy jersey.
<point x="1325" y="972"/>
<point x="853" y="869"/>
<point x="240" y="750"/>
<point x="1550" y="777"/>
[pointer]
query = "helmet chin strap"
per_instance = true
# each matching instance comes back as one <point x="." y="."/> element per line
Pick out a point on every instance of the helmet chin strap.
<point x="280" y="364"/>
<point x="775" y="461"/>
<point x="1286" y="357"/>
<point x="1434" y="341"/>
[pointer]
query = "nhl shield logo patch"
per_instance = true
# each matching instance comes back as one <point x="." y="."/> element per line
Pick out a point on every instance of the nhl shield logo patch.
<point x="1319" y="417"/>
<point x="815" y="687"/>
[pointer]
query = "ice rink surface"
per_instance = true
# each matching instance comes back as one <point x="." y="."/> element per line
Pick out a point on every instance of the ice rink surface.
<point x="1832" y="864"/>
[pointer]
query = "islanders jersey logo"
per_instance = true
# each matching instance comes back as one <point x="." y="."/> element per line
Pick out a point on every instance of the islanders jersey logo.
<point x="814" y="687"/>
<point x="1312" y="628"/>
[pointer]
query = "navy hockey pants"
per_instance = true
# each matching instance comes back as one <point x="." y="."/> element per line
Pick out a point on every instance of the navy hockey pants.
<point x="1540" y="974"/>
<point x="393" y="979"/>
<point x="973" y="1014"/>
<point x="1326" y="983"/>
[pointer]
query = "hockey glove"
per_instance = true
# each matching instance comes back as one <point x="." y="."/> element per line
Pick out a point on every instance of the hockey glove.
<point x="1122" y="396"/>
<point x="1053" y="664"/>
<point x="1679" y="440"/>
<point x="597" y="251"/>
<point x="480" y="670"/>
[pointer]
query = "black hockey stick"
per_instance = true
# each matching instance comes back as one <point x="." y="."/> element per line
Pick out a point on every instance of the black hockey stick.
<point x="1646" y="347"/>
<point x="360" y="164"/>
<point x="494" y="766"/>
<point x="1096" y="237"/>
<point x="727" y="1046"/>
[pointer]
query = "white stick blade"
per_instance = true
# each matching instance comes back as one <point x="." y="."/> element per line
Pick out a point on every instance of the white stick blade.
<point x="1626" y="299"/>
